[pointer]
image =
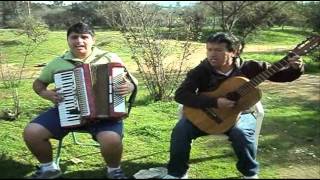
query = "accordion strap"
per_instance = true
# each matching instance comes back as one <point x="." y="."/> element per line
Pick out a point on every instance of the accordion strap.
<point x="100" y="56"/>
<point x="133" y="94"/>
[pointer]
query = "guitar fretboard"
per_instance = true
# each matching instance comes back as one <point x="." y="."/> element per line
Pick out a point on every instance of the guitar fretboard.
<point x="301" y="49"/>
<point x="276" y="67"/>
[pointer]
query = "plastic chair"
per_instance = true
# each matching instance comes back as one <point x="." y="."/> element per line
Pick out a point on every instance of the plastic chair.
<point x="259" y="114"/>
<point x="75" y="141"/>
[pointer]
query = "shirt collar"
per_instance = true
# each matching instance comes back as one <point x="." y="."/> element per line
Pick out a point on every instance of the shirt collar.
<point x="70" y="57"/>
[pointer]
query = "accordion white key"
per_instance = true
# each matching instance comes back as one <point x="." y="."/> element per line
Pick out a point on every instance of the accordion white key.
<point x="89" y="96"/>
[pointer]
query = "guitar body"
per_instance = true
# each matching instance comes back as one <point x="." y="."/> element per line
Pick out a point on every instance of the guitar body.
<point x="229" y="116"/>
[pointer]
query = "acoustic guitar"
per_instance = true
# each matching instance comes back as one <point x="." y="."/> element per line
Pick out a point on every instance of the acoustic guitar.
<point x="242" y="90"/>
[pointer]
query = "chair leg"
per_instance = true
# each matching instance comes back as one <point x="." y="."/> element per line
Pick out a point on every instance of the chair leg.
<point x="259" y="113"/>
<point x="57" y="160"/>
<point x="75" y="140"/>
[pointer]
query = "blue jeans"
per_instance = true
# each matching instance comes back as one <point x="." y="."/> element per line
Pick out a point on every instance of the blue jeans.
<point x="241" y="136"/>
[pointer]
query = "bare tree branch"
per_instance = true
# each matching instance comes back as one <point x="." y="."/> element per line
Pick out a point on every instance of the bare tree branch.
<point x="142" y="27"/>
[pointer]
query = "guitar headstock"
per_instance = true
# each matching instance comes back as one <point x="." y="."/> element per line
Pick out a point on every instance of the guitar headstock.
<point x="307" y="45"/>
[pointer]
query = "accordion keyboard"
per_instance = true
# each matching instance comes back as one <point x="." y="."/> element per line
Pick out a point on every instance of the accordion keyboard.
<point x="81" y="91"/>
<point x="69" y="111"/>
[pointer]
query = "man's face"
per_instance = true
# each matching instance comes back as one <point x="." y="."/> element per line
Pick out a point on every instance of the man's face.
<point x="80" y="44"/>
<point x="218" y="54"/>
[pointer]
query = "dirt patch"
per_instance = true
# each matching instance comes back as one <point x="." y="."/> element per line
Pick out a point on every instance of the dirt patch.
<point x="264" y="48"/>
<point x="297" y="171"/>
<point x="12" y="71"/>
<point x="306" y="87"/>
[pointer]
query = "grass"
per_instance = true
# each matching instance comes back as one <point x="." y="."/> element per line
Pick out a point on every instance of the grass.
<point x="289" y="136"/>
<point x="277" y="36"/>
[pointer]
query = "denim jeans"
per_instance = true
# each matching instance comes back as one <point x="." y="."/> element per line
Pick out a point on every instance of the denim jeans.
<point x="241" y="136"/>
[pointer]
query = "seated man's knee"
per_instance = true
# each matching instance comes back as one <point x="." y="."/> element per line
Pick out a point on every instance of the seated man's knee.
<point x="35" y="131"/>
<point x="179" y="131"/>
<point x="241" y="135"/>
<point x="109" y="138"/>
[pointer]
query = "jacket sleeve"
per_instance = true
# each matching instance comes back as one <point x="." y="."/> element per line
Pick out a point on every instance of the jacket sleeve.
<point x="187" y="95"/>
<point x="287" y="75"/>
<point x="253" y="68"/>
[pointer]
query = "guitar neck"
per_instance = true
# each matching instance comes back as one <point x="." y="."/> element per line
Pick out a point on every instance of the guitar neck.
<point x="301" y="49"/>
<point x="254" y="82"/>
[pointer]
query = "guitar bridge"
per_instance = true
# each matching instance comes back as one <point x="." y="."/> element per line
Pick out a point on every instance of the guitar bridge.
<point x="212" y="115"/>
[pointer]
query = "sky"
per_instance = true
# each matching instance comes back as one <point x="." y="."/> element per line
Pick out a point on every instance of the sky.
<point x="163" y="3"/>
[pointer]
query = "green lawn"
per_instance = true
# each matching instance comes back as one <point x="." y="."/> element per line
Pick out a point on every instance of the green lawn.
<point x="289" y="136"/>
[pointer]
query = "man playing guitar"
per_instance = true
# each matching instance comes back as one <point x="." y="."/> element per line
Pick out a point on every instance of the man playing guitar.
<point x="222" y="62"/>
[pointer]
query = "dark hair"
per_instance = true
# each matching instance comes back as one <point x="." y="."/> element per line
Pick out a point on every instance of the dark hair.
<point x="233" y="43"/>
<point x="80" y="28"/>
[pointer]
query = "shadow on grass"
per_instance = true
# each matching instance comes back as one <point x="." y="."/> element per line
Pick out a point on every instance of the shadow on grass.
<point x="9" y="43"/>
<point x="289" y="139"/>
<point x="131" y="166"/>
<point x="13" y="169"/>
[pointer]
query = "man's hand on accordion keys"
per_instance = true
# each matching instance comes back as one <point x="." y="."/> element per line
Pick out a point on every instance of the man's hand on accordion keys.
<point x="52" y="95"/>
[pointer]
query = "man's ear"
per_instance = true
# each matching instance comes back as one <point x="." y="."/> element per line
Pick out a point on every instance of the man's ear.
<point x="234" y="53"/>
<point x="237" y="51"/>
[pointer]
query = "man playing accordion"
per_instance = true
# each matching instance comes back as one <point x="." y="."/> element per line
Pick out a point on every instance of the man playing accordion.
<point x="108" y="134"/>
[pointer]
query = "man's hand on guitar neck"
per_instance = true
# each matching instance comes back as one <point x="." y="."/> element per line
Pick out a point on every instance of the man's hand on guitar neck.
<point x="225" y="103"/>
<point x="295" y="61"/>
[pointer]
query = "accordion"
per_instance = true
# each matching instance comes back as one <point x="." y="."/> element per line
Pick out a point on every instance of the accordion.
<point x="89" y="96"/>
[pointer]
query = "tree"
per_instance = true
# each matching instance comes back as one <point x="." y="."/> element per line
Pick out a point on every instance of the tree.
<point x="312" y="14"/>
<point x="35" y="33"/>
<point x="142" y="27"/>
<point x="9" y="11"/>
<point x="110" y="14"/>
<point x="58" y="3"/>
<point x="245" y="17"/>
<point x="228" y="12"/>
<point x="12" y="10"/>
<point x="195" y="17"/>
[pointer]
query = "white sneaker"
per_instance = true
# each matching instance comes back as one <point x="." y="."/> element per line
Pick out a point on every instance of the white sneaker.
<point x="174" y="177"/>
<point x="47" y="174"/>
<point x="251" y="177"/>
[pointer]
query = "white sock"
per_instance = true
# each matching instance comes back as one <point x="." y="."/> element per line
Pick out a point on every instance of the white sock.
<point x="48" y="166"/>
<point x="110" y="169"/>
